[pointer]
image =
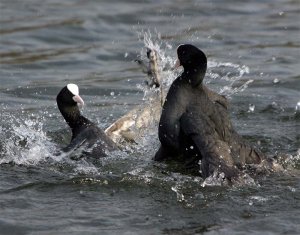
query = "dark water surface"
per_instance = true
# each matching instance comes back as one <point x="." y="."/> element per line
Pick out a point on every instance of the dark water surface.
<point x="253" y="50"/>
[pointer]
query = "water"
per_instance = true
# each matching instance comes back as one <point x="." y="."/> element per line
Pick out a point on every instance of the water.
<point x="253" y="52"/>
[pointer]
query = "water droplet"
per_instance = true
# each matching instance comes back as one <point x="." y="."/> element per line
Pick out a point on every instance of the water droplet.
<point x="251" y="108"/>
<point x="258" y="142"/>
<point x="297" y="108"/>
<point x="291" y="189"/>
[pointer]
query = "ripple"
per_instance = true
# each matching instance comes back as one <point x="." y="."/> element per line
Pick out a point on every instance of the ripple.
<point x="23" y="57"/>
<point x="72" y="21"/>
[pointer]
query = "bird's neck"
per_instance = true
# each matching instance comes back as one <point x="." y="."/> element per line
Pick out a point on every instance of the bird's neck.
<point x="194" y="76"/>
<point x="73" y="117"/>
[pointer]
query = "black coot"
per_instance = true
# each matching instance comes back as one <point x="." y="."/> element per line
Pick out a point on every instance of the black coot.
<point x="195" y="123"/>
<point x="84" y="132"/>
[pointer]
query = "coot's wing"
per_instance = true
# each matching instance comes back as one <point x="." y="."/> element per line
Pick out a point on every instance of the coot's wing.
<point x="173" y="108"/>
<point x="216" y="98"/>
<point x="215" y="153"/>
<point x="94" y="139"/>
<point x="76" y="143"/>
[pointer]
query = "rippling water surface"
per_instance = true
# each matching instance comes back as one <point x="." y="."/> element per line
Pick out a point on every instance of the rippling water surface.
<point x="253" y="50"/>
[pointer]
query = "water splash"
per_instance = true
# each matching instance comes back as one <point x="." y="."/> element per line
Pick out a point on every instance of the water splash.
<point x="288" y="161"/>
<point x="180" y="196"/>
<point x="85" y="167"/>
<point x="228" y="74"/>
<point x="258" y="198"/>
<point x="166" y="62"/>
<point x="229" y="90"/>
<point x="25" y="142"/>
<point x="251" y="108"/>
<point x="217" y="179"/>
<point x="227" y="71"/>
<point x="297" y="108"/>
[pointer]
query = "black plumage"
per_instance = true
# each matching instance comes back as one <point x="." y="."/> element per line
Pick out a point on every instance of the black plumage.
<point x="195" y="123"/>
<point x="84" y="132"/>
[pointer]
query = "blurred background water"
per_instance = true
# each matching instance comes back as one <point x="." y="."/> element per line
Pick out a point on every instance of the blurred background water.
<point x="253" y="50"/>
